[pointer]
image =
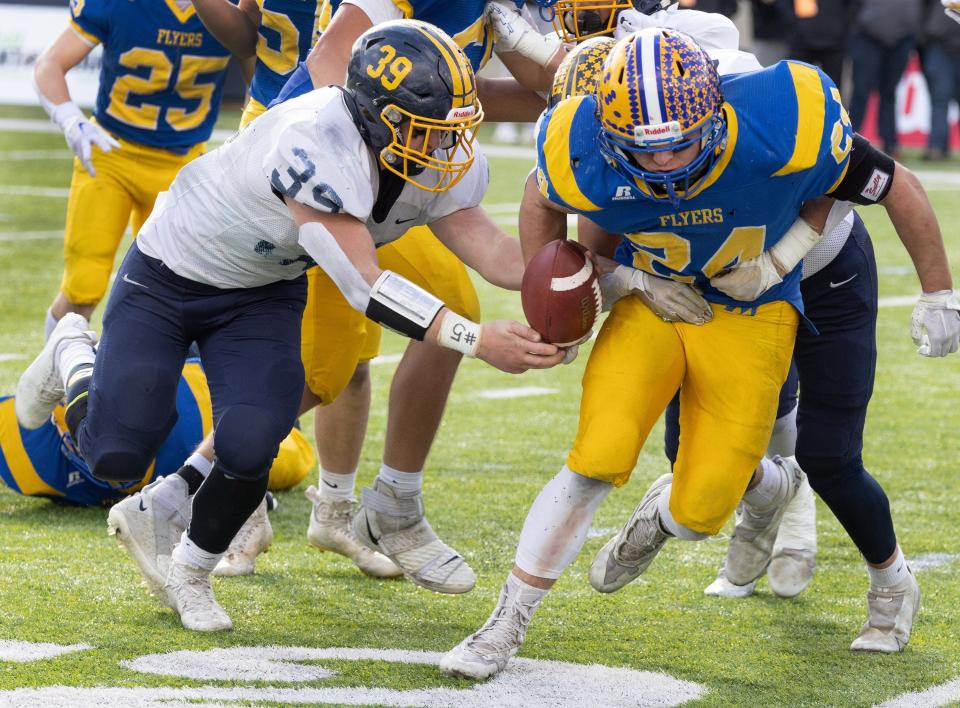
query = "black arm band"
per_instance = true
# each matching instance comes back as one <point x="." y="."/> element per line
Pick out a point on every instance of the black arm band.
<point x="869" y="175"/>
<point x="402" y="306"/>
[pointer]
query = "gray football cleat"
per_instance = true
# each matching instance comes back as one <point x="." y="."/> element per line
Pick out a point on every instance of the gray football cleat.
<point x="755" y="531"/>
<point x="395" y="525"/>
<point x="40" y="387"/>
<point x="890" y="614"/>
<point x="487" y="651"/>
<point x="253" y="538"/>
<point x="149" y="531"/>
<point x="189" y="594"/>
<point x="331" y="530"/>
<point x="630" y="552"/>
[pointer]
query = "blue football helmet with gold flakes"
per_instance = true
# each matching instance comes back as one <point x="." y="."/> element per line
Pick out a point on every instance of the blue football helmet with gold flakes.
<point x="660" y="91"/>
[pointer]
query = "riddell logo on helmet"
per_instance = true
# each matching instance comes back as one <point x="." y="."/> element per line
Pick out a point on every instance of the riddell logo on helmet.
<point x="661" y="132"/>
<point x="459" y="113"/>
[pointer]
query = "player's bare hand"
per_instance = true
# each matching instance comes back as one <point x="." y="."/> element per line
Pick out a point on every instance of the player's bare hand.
<point x="514" y="347"/>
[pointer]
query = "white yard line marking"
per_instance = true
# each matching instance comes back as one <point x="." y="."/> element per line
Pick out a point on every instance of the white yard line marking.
<point x="22" y="652"/>
<point x="21" y="191"/>
<point x="932" y="560"/>
<point x="12" y="357"/>
<point x="602" y="533"/>
<point x="385" y="359"/>
<point x="897" y="301"/>
<point x="940" y="695"/>
<point x="30" y="235"/>
<point x="22" y="155"/>
<point x="520" y="392"/>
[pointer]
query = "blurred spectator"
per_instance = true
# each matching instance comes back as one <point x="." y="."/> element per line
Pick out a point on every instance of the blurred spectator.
<point x="884" y="34"/>
<point x="772" y="29"/>
<point x="941" y="67"/>
<point x="820" y="34"/>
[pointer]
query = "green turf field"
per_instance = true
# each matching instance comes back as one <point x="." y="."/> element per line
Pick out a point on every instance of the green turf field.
<point x="63" y="581"/>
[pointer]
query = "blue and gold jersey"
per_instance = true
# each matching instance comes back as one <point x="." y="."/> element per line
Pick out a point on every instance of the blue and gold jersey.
<point x="463" y="20"/>
<point x="789" y="141"/>
<point x="44" y="462"/>
<point x="284" y="39"/>
<point x="162" y="71"/>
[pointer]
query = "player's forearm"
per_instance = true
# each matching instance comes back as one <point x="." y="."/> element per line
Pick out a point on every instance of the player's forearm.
<point x="528" y="73"/>
<point x="507" y="100"/>
<point x="231" y="26"/>
<point x="50" y="82"/>
<point x="327" y="61"/>
<point x="540" y="222"/>
<point x="916" y="224"/>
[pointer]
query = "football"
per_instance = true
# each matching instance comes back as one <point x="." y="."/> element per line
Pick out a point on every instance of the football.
<point x="560" y="293"/>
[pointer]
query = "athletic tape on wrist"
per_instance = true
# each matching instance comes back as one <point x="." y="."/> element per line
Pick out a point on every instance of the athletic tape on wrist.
<point x="459" y="333"/>
<point x="794" y="245"/>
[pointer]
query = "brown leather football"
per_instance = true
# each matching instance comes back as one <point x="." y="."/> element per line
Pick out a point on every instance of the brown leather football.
<point x="560" y="293"/>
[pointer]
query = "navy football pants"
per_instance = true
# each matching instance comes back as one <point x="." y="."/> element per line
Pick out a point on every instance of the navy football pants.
<point x="249" y="341"/>
<point x="836" y="371"/>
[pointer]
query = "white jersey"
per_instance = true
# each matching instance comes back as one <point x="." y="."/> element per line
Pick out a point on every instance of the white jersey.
<point x="222" y="222"/>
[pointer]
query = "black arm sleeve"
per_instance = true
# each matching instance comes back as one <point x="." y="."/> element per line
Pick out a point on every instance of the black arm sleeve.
<point x="868" y="177"/>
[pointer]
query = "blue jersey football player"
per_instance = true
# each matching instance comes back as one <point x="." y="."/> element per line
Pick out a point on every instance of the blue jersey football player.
<point x="159" y="95"/>
<point x="704" y="181"/>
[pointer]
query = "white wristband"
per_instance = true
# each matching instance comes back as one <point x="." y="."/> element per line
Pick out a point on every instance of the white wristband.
<point x="794" y="245"/>
<point x="66" y="113"/>
<point x="459" y="333"/>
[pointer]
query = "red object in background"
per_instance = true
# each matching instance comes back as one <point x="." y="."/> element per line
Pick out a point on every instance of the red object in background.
<point x="913" y="112"/>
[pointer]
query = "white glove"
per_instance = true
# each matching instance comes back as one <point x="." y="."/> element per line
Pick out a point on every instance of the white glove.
<point x="669" y="299"/>
<point x="81" y="134"/>
<point x="952" y="9"/>
<point x="935" y="323"/>
<point x="570" y="353"/>
<point x="748" y="280"/>
<point x="515" y="34"/>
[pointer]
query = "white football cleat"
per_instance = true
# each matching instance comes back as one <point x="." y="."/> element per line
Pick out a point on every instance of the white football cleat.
<point x="188" y="593"/>
<point x="253" y="538"/>
<point x="890" y="614"/>
<point x="751" y="545"/>
<point x="721" y="587"/>
<point x="395" y="526"/>
<point x="149" y="531"/>
<point x="487" y="651"/>
<point x="795" y="550"/>
<point x="331" y="530"/>
<point x="40" y="387"/>
<point x="625" y="556"/>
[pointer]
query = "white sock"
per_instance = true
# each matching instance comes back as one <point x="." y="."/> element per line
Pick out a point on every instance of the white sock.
<point x="670" y="524"/>
<point x="336" y="486"/>
<point x="518" y="590"/>
<point x="172" y="494"/>
<point x="72" y="354"/>
<point x="783" y="439"/>
<point x="49" y="323"/>
<point x="189" y="553"/>
<point x="894" y="575"/>
<point x="772" y="488"/>
<point x="557" y="524"/>
<point x="404" y="482"/>
<point x="200" y="463"/>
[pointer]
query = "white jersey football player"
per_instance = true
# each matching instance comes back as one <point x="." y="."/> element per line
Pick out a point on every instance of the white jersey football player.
<point x="324" y="179"/>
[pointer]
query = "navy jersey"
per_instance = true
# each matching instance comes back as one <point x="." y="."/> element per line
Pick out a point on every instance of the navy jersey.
<point x="463" y="20"/>
<point x="162" y="71"/>
<point x="283" y="40"/>
<point x="772" y="162"/>
<point x="44" y="462"/>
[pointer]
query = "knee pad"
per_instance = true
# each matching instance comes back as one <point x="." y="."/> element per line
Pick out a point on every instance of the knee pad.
<point x="121" y="466"/>
<point x="246" y="440"/>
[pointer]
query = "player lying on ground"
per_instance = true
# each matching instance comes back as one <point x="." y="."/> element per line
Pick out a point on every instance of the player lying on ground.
<point x="324" y="178"/>
<point x="698" y="175"/>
